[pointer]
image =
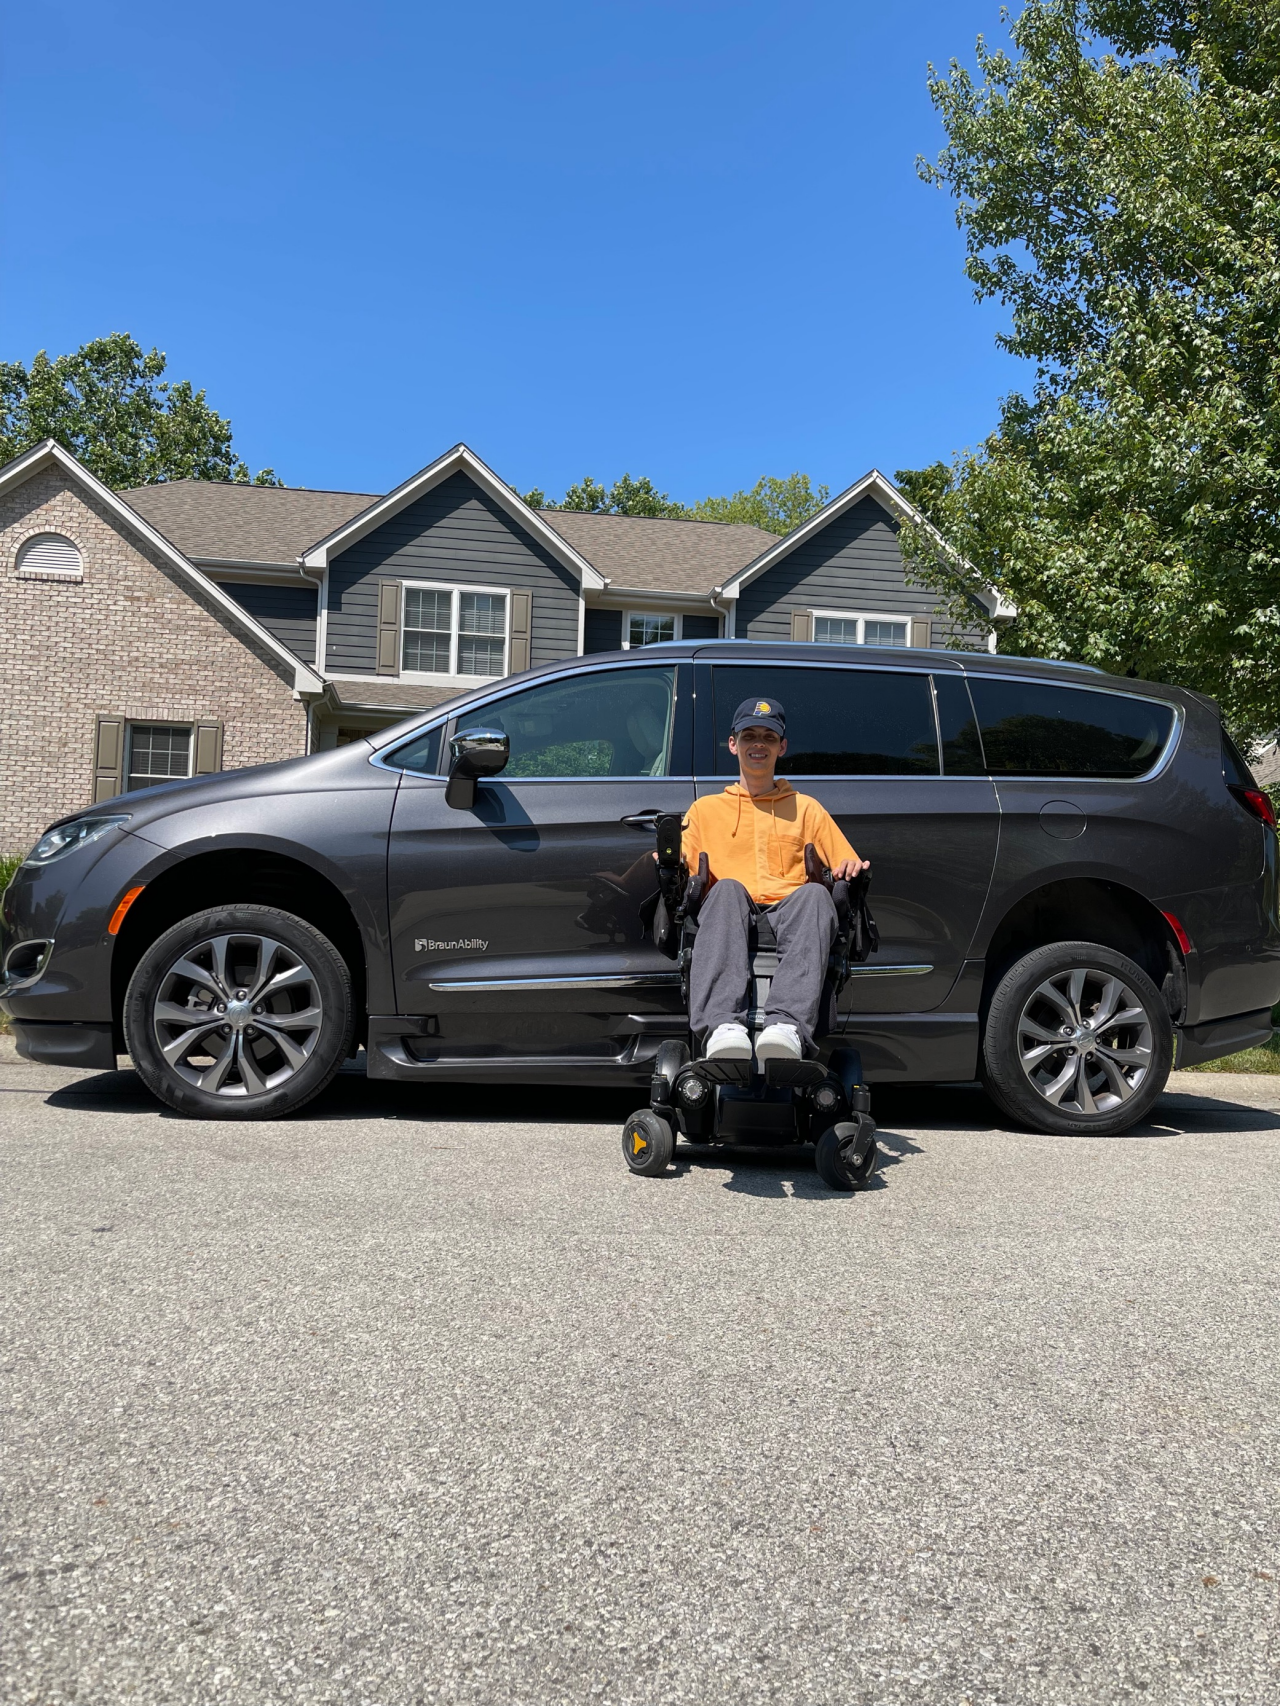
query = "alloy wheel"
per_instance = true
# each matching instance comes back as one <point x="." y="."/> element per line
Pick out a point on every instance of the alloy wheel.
<point x="238" y="1015"/>
<point x="1085" y="1041"/>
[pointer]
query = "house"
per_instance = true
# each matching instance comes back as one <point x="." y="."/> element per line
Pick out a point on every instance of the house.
<point x="196" y="626"/>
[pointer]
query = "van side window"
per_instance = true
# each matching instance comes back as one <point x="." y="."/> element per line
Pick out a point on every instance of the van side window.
<point x="421" y="755"/>
<point x="1032" y="728"/>
<point x="958" y="728"/>
<point x="840" y="722"/>
<point x="1234" y="769"/>
<point x="609" y="722"/>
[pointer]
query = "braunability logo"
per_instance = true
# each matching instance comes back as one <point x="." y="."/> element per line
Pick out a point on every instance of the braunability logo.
<point x="429" y="945"/>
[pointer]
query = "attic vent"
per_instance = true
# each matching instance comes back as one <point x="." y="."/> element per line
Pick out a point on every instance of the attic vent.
<point x="49" y="557"/>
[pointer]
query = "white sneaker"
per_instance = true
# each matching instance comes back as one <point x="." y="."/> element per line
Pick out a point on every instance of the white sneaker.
<point x="778" y="1042"/>
<point x="729" y="1042"/>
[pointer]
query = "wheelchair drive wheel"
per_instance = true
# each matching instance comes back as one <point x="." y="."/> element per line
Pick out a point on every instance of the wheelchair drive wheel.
<point x="845" y="1155"/>
<point x="648" y="1143"/>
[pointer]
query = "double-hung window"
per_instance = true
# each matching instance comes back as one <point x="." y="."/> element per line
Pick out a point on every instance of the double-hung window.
<point x="156" y="752"/>
<point x="452" y="631"/>
<point x="851" y="628"/>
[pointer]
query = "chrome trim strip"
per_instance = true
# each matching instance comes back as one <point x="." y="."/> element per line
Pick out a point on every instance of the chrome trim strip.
<point x="628" y="980"/>
<point x="889" y="971"/>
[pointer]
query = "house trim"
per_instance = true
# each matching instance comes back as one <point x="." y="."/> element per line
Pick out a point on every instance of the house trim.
<point x="49" y="453"/>
<point x="463" y="460"/>
<point x="886" y="494"/>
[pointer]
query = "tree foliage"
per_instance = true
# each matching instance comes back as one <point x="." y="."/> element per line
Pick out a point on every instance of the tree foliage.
<point x="111" y="407"/>
<point x="776" y="505"/>
<point x="1117" y="178"/>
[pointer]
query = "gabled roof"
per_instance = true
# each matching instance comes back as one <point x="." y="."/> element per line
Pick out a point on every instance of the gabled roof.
<point x="51" y="454"/>
<point x="459" y="460"/>
<point x="219" y="520"/>
<point x="660" y="553"/>
<point x="886" y="494"/>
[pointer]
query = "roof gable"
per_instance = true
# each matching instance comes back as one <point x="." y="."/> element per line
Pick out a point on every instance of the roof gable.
<point x="51" y="454"/>
<point x="872" y="485"/>
<point x="458" y="460"/>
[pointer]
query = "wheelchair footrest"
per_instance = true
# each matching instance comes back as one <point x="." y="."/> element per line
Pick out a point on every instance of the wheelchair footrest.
<point x="795" y="1074"/>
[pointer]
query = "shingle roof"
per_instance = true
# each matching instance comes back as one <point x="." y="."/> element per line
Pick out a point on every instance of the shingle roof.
<point x="251" y="524"/>
<point x="660" y="554"/>
<point x="387" y="695"/>
<point x="276" y="524"/>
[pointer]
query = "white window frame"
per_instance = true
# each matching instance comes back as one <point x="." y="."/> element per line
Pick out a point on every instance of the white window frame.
<point x="862" y="617"/>
<point x="662" y="615"/>
<point x="133" y="723"/>
<point x="437" y="678"/>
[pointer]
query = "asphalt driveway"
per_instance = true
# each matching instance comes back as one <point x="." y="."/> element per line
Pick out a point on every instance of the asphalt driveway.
<point x="423" y="1398"/>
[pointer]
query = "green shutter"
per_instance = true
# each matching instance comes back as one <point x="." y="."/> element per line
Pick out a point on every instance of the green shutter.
<point x="388" y="628"/>
<point x="108" y="757"/>
<point x="521" y="631"/>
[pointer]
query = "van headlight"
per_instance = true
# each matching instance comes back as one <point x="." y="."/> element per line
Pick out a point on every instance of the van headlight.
<point x="64" y="838"/>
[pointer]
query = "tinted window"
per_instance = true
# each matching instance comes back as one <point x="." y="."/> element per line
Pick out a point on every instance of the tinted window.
<point x="958" y="728"/>
<point x="840" y="722"/>
<point x="1234" y="768"/>
<point x="1035" y="729"/>
<point x="616" y="722"/>
<point x="421" y="754"/>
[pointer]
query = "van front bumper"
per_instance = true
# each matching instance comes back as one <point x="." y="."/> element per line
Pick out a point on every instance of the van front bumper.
<point x="90" y="1046"/>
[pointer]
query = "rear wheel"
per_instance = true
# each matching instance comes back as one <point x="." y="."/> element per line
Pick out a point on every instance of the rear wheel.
<point x="240" y="1012"/>
<point x="1078" y="1041"/>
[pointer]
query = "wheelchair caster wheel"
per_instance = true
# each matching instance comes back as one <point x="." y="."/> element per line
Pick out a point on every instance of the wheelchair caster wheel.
<point x="648" y="1143"/>
<point x="845" y="1165"/>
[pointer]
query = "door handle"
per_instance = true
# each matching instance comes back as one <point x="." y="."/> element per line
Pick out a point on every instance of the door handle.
<point x="646" y="819"/>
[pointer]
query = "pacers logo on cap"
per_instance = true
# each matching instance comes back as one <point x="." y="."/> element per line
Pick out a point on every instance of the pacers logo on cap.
<point x="763" y="707"/>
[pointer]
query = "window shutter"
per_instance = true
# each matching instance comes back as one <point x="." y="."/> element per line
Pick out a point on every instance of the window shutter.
<point x="921" y="631"/>
<point x="521" y="631"/>
<point x="388" y="628"/>
<point x="108" y="758"/>
<point x="208" y="756"/>
<point x="802" y="624"/>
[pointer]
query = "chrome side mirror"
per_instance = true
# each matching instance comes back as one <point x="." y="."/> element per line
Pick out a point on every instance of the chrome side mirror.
<point x="475" y="753"/>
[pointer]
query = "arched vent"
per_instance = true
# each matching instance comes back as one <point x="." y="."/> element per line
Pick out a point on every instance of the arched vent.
<point x="50" y="556"/>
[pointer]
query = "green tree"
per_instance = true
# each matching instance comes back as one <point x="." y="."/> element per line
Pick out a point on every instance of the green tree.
<point x="625" y="497"/>
<point x="776" y="505"/>
<point x="1117" y="178"/>
<point x="110" y="405"/>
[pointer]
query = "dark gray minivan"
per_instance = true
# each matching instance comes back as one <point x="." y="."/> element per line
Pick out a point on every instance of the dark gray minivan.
<point x="1074" y="882"/>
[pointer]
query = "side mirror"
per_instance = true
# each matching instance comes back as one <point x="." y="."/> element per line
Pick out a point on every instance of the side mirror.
<point x="476" y="753"/>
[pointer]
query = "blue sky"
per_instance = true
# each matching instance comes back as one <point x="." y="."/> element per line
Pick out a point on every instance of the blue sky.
<point x="683" y="238"/>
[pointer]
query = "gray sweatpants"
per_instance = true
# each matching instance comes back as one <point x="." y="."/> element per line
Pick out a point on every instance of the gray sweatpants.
<point x="719" y="978"/>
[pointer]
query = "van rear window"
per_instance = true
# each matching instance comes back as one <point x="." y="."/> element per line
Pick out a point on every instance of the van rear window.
<point x="1033" y="728"/>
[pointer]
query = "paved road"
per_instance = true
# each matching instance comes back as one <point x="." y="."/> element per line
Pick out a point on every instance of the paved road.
<point x="424" y="1399"/>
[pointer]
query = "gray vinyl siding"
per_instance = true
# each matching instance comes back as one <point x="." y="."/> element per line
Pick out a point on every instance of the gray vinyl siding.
<point x="851" y="564"/>
<point x="288" y="612"/>
<point x="701" y="627"/>
<point x="602" y="631"/>
<point x="456" y="534"/>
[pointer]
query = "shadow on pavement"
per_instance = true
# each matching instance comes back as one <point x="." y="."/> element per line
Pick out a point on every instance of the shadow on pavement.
<point x="921" y="1108"/>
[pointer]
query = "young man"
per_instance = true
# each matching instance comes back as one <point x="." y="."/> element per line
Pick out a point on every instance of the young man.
<point x="754" y="836"/>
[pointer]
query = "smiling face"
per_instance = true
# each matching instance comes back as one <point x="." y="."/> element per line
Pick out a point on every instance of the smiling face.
<point x="757" y="752"/>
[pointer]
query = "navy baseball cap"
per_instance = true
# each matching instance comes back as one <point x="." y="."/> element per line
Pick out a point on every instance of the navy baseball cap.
<point x="760" y="714"/>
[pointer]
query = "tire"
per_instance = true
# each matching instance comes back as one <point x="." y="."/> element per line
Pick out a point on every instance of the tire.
<point x="648" y="1143"/>
<point x="832" y="1155"/>
<point x="1050" y="1064"/>
<point x="672" y="1058"/>
<point x="267" y="1056"/>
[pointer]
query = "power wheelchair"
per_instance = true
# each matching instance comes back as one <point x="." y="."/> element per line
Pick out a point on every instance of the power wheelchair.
<point x="748" y="1103"/>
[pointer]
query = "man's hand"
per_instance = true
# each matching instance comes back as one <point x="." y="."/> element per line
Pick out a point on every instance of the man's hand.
<point x="848" y="869"/>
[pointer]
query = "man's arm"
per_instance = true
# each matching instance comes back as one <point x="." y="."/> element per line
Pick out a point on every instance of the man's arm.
<point x="832" y="845"/>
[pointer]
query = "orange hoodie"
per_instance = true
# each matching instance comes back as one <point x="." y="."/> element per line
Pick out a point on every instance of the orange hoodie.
<point x="760" y="841"/>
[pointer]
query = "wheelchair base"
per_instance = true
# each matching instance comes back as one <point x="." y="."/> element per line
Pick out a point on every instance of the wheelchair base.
<point x="747" y="1104"/>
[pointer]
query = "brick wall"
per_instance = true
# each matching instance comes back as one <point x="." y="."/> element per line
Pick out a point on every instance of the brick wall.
<point x="129" y="639"/>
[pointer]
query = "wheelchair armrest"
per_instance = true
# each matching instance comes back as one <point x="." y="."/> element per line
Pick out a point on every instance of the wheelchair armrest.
<point x="814" y="869"/>
<point x="696" y="890"/>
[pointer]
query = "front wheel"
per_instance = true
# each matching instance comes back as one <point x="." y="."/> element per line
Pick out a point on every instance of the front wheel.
<point x="240" y="1012"/>
<point x="1078" y="1041"/>
<point x="648" y="1143"/>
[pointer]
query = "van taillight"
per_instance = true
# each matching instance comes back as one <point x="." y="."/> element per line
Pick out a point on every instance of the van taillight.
<point x="1255" y="801"/>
